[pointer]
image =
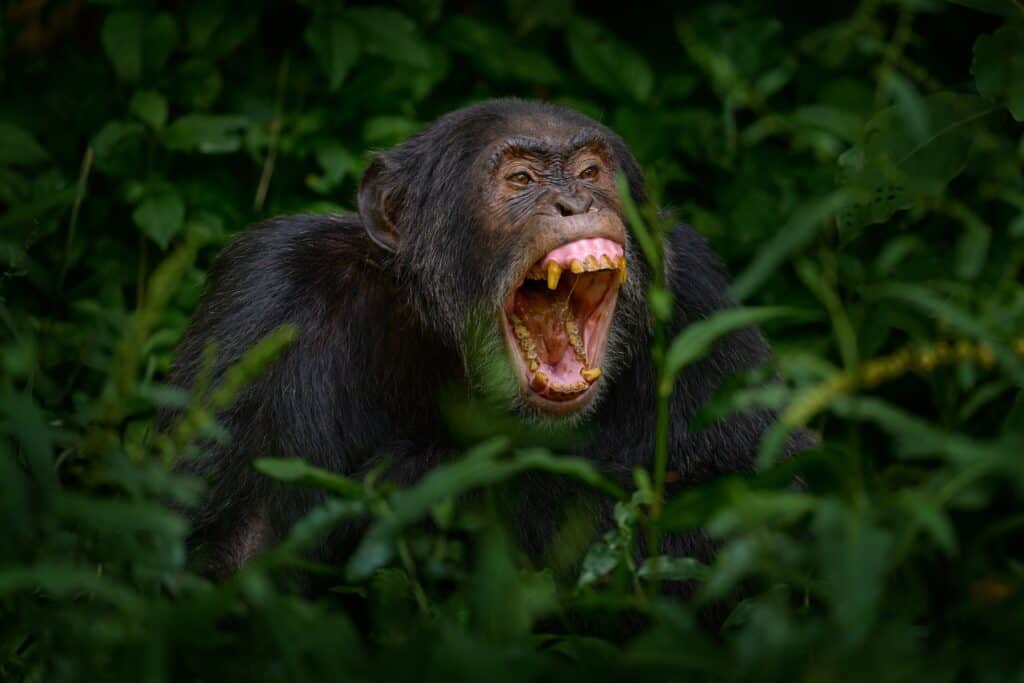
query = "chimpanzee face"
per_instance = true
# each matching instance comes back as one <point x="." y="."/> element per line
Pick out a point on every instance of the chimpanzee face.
<point x="511" y="208"/>
<point x="555" y="199"/>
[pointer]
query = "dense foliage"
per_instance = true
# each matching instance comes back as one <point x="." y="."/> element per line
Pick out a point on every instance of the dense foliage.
<point x="858" y="168"/>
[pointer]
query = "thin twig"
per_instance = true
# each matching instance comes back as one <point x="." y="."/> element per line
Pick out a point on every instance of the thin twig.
<point x="83" y="180"/>
<point x="275" y="139"/>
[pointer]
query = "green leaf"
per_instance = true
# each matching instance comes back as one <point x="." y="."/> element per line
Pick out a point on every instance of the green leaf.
<point x="664" y="568"/>
<point x="925" y="513"/>
<point x="695" y="341"/>
<point x="950" y="313"/>
<point x="119" y="148"/>
<point x="998" y="67"/>
<point x="336" y="45"/>
<point x="337" y="163"/>
<point x="18" y="147"/>
<point x="150" y="107"/>
<point x="384" y="131"/>
<point x="754" y="509"/>
<point x="916" y="436"/>
<point x="854" y="554"/>
<point x="492" y="51"/>
<point x="910" y="150"/>
<point x="319" y="522"/>
<point x="801" y="228"/>
<point x="390" y="34"/>
<point x="138" y="42"/>
<point x="480" y="466"/>
<point x="660" y="301"/>
<point x="608" y="63"/>
<point x="972" y="248"/>
<point x="296" y="471"/>
<point x="65" y="581"/>
<point x="506" y="602"/>
<point x="206" y="133"/>
<point x="160" y="215"/>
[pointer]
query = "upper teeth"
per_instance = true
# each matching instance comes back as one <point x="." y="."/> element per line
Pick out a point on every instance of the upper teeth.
<point x="552" y="270"/>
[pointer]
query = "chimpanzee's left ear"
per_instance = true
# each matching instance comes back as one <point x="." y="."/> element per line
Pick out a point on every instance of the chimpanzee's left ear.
<point x="376" y="206"/>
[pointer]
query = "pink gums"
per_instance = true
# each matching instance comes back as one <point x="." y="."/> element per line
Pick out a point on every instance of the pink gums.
<point x="580" y="249"/>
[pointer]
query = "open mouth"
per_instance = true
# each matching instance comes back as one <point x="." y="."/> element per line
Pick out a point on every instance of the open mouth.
<point x="557" y="320"/>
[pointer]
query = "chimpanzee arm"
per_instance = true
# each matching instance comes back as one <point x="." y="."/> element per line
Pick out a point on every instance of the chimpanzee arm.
<point x="287" y="270"/>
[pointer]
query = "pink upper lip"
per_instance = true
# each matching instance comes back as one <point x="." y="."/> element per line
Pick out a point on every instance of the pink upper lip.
<point x="578" y="250"/>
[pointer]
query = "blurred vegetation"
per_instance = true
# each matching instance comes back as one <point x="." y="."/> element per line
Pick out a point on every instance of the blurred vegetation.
<point x="860" y="164"/>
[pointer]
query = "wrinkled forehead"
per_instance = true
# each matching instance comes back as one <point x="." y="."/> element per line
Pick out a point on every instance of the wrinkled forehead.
<point x="546" y="139"/>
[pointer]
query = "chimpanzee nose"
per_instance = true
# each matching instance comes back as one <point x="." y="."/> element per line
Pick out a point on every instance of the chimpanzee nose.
<point x="572" y="204"/>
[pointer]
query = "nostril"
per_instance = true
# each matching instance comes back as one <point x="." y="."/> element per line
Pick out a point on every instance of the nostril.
<point x="572" y="205"/>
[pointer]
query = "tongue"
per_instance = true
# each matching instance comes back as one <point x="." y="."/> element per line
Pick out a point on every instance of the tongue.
<point x="544" y="315"/>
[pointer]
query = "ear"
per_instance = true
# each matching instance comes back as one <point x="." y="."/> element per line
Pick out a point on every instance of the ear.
<point x="374" y="206"/>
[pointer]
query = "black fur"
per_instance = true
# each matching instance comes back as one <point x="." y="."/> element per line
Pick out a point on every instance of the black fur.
<point x="381" y="320"/>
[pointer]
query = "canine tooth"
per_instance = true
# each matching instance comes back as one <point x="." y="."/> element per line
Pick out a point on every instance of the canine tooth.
<point x="590" y="374"/>
<point x="576" y="267"/>
<point x="534" y="365"/>
<point x="622" y="268"/>
<point x="554" y="274"/>
<point x="539" y="381"/>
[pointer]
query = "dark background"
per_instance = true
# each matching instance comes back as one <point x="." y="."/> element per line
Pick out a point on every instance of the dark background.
<point x="858" y="162"/>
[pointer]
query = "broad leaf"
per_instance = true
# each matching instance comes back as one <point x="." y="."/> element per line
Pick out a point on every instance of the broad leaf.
<point x="138" y="42"/>
<point x="608" y="63"/>
<point x="18" y="147"/>
<point x="388" y="33"/>
<point x="910" y="150"/>
<point x="207" y="133"/>
<point x="160" y="215"/>
<point x="998" y="67"/>
<point x="335" y="43"/>
<point x="695" y="341"/>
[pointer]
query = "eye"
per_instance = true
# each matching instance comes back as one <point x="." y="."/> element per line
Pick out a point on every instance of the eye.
<point x="590" y="172"/>
<point x="520" y="178"/>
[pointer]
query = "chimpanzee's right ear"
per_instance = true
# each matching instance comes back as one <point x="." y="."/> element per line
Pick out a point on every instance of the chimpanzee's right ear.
<point x="376" y="208"/>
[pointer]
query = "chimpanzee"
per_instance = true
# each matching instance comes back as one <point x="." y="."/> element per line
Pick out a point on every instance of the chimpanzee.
<point x="504" y="212"/>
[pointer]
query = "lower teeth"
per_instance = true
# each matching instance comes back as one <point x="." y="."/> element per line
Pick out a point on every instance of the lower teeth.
<point x="540" y="380"/>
